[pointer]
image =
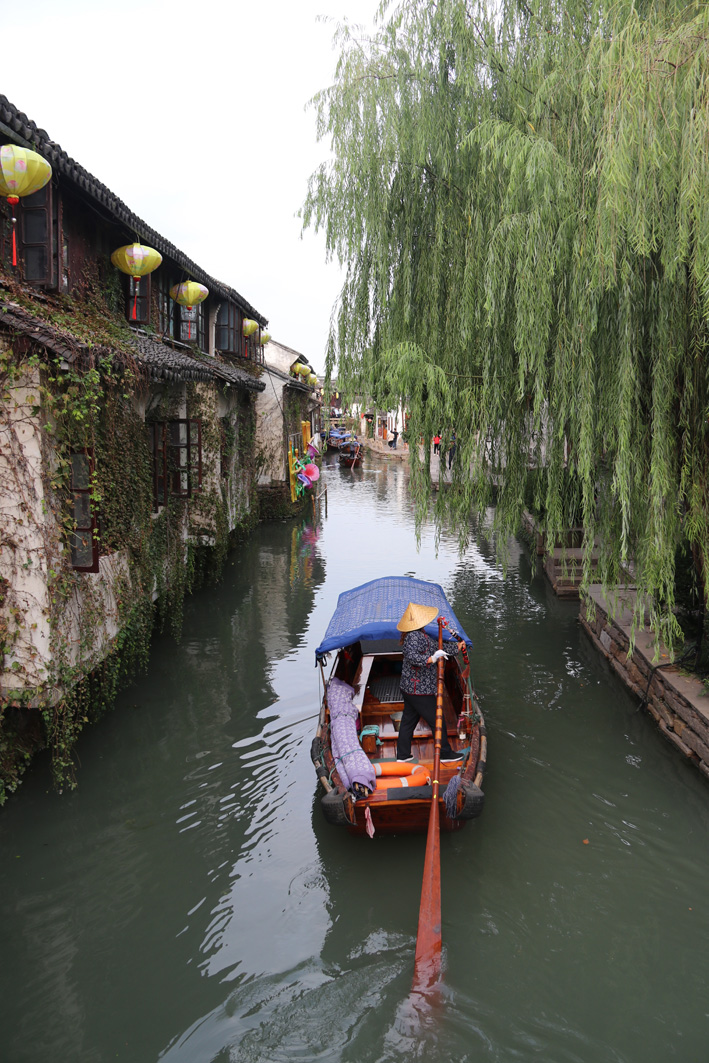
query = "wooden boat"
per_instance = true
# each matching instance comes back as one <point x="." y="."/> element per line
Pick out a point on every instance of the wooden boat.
<point x="351" y="454"/>
<point x="337" y="437"/>
<point x="363" y="634"/>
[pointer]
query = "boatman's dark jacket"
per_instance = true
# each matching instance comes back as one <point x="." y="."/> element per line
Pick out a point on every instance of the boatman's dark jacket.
<point x="417" y="677"/>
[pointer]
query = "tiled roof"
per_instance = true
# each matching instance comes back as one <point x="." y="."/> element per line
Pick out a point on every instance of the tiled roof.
<point x="235" y="375"/>
<point x="63" y="344"/>
<point x="160" y="361"/>
<point x="288" y="380"/>
<point x="20" y="126"/>
<point x="166" y="363"/>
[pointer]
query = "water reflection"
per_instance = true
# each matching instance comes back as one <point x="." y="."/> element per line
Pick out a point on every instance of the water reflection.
<point x="189" y="902"/>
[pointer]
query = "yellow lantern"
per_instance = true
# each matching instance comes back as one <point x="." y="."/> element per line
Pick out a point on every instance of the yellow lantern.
<point x="137" y="261"/>
<point x="250" y="326"/>
<point x="312" y="379"/>
<point x="189" y="294"/>
<point x="265" y="337"/>
<point x="304" y="370"/>
<point x="22" y="172"/>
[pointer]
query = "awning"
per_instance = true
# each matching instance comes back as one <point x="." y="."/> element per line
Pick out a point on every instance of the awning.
<point x="373" y="610"/>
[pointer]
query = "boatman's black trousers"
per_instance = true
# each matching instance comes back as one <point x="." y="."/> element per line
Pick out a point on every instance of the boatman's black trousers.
<point x="415" y="706"/>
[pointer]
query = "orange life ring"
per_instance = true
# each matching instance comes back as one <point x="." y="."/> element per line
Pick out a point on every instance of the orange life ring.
<point x="396" y="767"/>
<point x="416" y="775"/>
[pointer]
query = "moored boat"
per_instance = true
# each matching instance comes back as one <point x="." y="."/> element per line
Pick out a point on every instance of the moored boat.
<point x="354" y="749"/>
<point x="337" y="437"/>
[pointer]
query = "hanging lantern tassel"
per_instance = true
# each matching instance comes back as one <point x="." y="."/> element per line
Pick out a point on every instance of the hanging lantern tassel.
<point x="13" y="201"/>
<point x="22" y="172"/>
<point x="136" y="260"/>
<point x="189" y="294"/>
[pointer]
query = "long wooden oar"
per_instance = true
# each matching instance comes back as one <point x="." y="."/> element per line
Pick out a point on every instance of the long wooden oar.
<point x="427" y="961"/>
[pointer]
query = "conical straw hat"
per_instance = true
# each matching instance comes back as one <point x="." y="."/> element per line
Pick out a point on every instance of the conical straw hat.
<point x="416" y="616"/>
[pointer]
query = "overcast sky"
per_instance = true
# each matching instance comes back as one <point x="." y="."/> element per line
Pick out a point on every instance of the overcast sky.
<point x="194" y="115"/>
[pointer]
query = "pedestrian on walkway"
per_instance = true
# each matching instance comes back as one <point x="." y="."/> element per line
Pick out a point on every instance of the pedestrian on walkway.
<point x="451" y="450"/>
<point x="437" y="443"/>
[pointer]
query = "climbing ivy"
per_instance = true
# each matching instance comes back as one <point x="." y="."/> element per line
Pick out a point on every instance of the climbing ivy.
<point x="155" y="557"/>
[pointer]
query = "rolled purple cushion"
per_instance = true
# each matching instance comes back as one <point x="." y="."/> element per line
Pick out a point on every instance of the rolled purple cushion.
<point x="351" y="761"/>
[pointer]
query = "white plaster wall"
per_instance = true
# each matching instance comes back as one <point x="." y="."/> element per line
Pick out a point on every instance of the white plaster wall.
<point x="239" y="500"/>
<point x="280" y="357"/>
<point x="100" y="592"/>
<point x="32" y="550"/>
<point x="269" y="430"/>
<point x="25" y="528"/>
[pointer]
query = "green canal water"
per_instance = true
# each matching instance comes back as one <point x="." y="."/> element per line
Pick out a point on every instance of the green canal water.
<point x="188" y="903"/>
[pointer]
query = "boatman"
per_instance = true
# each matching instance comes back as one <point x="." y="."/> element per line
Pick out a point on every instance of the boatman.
<point x="419" y="679"/>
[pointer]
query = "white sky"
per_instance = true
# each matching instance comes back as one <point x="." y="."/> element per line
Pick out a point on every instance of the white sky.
<point x="194" y="115"/>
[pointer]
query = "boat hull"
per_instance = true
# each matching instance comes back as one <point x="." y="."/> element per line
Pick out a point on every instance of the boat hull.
<point x="392" y="815"/>
<point x="406" y="810"/>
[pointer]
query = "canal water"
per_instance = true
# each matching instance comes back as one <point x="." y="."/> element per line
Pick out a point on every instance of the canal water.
<point x="188" y="903"/>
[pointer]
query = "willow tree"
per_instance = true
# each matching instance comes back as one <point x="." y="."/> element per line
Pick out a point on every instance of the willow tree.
<point x="521" y="201"/>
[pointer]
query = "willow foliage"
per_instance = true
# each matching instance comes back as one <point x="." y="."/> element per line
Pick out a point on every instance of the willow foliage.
<point x="522" y="205"/>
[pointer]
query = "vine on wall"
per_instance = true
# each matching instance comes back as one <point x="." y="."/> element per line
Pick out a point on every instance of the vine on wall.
<point x="98" y="626"/>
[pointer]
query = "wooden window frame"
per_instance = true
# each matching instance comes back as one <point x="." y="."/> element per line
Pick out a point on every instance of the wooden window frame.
<point x="91" y="528"/>
<point x="166" y="307"/>
<point x="142" y="303"/>
<point x="177" y="464"/>
<point x="232" y="328"/>
<point x="193" y="325"/>
<point x="26" y="209"/>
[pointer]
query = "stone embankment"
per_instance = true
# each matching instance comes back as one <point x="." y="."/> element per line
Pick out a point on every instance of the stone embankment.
<point x="383" y="450"/>
<point x="564" y="563"/>
<point x="679" y="703"/>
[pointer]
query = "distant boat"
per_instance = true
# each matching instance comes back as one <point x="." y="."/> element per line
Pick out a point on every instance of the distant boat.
<point x="363" y="687"/>
<point x="336" y="437"/>
<point x="351" y="453"/>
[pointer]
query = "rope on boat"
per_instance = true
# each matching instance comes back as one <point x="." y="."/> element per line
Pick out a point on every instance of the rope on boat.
<point x="450" y="796"/>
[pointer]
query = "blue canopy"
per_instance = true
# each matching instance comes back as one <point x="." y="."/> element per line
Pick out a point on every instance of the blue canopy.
<point x="373" y="610"/>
